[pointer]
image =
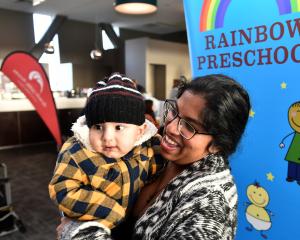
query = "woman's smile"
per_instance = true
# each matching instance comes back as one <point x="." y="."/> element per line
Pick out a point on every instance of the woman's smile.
<point x="169" y="144"/>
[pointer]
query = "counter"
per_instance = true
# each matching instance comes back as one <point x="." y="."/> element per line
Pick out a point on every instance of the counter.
<point x="16" y="105"/>
<point x="21" y="125"/>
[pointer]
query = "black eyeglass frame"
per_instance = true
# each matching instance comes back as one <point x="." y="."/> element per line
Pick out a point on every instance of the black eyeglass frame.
<point x="173" y="104"/>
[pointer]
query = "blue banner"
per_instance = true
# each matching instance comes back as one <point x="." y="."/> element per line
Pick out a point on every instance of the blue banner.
<point x="257" y="43"/>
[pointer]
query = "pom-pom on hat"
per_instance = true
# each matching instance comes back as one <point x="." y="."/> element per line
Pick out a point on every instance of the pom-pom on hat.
<point x="115" y="99"/>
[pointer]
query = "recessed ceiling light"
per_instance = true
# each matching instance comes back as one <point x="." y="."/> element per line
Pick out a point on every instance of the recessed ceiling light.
<point x="136" y="7"/>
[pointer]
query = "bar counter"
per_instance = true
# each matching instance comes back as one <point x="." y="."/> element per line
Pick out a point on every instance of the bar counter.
<point x="21" y="125"/>
<point x="24" y="104"/>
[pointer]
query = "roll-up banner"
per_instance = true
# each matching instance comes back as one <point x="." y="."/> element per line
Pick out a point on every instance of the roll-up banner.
<point x="29" y="76"/>
<point x="257" y="42"/>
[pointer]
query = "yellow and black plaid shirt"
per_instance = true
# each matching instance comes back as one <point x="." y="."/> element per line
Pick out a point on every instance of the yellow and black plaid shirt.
<point x="89" y="186"/>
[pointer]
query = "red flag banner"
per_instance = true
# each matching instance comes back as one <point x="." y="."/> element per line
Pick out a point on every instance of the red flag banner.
<point x="29" y="76"/>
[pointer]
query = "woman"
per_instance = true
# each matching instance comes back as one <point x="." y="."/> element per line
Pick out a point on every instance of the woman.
<point x="195" y="196"/>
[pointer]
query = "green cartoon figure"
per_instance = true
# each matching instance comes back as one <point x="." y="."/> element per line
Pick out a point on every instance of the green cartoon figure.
<point x="293" y="154"/>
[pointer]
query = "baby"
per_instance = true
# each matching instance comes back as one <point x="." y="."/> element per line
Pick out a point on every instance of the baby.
<point x="113" y="153"/>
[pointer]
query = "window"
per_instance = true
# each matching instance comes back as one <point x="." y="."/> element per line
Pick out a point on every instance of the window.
<point x="107" y="44"/>
<point x="60" y="75"/>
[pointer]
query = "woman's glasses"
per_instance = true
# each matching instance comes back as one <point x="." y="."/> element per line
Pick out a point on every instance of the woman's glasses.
<point x="185" y="129"/>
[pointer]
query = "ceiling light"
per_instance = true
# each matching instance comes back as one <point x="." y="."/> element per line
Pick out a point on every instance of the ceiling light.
<point x="136" y="6"/>
<point x="48" y="48"/>
<point x="96" y="54"/>
<point x="103" y="29"/>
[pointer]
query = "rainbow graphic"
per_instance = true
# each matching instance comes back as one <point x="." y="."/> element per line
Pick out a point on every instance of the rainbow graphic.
<point x="212" y="14"/>
<point x="288" y="6"/>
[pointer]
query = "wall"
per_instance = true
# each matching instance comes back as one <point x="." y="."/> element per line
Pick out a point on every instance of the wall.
<point x="142" y="52"/>
<point x="76" y="41"/>
<point x="174" y="55"/>
<point x="16" y="32"/>
<point x="135" y="59"/>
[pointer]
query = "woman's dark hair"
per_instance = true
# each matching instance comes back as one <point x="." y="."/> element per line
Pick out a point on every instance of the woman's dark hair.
<point x="226" y="111"/>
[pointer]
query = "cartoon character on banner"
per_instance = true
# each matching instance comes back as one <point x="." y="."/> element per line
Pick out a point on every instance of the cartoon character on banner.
<point x="256" y="213"/>
<point x="293" y="154"/>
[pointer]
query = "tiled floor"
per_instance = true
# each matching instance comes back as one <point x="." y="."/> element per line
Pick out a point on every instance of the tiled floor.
<point x="29" y="170"/>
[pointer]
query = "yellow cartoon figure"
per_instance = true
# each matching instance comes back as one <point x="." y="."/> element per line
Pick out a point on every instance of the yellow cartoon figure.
<point x="256" y="214"/>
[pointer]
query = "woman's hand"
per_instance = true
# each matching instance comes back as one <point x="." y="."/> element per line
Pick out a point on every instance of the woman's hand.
<point x="59" y="229"/>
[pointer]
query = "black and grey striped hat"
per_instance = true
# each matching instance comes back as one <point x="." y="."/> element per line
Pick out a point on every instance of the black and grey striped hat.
<point x="115" y="99"/>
